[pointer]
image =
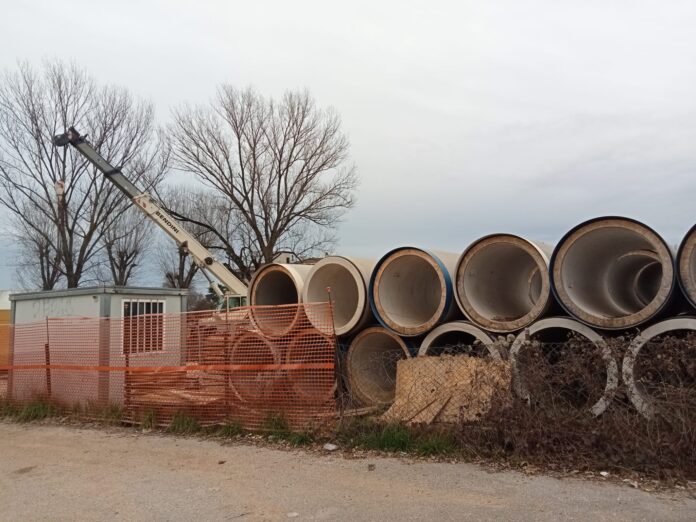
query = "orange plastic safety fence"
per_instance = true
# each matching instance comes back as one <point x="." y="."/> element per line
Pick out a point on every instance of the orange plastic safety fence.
<point x="250" y="365"/>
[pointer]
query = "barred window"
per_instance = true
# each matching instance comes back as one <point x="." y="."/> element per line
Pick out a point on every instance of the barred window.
<point x="143" y="325"/>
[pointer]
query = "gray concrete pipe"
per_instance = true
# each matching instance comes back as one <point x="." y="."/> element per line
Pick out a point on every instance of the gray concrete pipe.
<point x="686" y="265"/>
<point x="503" y="283"/>
<point x="411" y="290"/>
<point x="276" y="284"/>
<point x="347" y="277"/>
<point x="458" y="333"/>
<point x="546" y="330"/>
<point x="371" y="365"/>
<point x="640" y="399"/>
<point x="613" y="273"/>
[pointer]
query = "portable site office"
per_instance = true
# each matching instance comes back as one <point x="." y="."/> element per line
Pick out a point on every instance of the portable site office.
<point x="96" y="327"/>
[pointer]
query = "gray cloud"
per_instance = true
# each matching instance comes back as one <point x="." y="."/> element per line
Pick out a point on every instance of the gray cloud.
<point x="465" y="117"/>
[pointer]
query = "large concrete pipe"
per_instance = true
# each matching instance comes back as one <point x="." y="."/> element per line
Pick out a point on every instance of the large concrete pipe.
<point x="636" y="392"/>
<point x="371" y="365"/>
<point x="612" y="273"/>
<point x="411" y="290"/>
<point x="277" y="284"/>
<point x="451" y="337"/>
<point x="347" y="279"/>
<point x="255" y="371"/>
<point x="686" y="265"/>
<point x="502" y="282"/>
<point x="556" y="330"/>
<point x="307" y="354"/>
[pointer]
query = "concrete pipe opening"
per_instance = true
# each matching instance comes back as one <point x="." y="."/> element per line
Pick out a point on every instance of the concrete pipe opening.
<point x="371" y="365"/>
<point x="502" y="282"/>
<point x="652" y="375"/>
<point x="562" y="361"/>
<point x="613" y="273"/>
<point x="459" y="337"/>
<point x="253" y="386"/>
<point x="275" y="285"/>
<point x="686" y="261"/>
<point x="411" y="291"/>
<point x="347" y="280"/>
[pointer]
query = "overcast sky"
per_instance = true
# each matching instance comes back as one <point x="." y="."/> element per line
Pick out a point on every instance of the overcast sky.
<point x="465" y="118"/>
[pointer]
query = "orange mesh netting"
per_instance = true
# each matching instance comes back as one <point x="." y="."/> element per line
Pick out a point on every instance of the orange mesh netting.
<point x="214" y="366"/>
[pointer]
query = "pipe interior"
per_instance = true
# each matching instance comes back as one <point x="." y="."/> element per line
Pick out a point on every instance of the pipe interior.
<point x="662" y="366"/>
<point x="373" y="365"/>
<point x="275" y="288"/>
<point x="344" y="291"/>
<point x="556" y="335"/>
<point x="502" y="282"/>
<point x="572" y="372"/>
<point x="409" y="291"/>
<point x="692" y="266"/>
<point x="611" y="272"/>
<point x="455" y="342"/>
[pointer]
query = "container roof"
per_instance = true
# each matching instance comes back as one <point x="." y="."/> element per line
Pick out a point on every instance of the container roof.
<point x="92" y="290"/>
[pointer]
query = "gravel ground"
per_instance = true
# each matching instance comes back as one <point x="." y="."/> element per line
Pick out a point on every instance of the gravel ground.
<point x="50" y="472"/>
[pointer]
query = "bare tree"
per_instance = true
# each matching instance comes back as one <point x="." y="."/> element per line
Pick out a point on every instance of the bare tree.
<point x="34" y="106"/>
<point x="281" y="168"/>
<point x="38" y="260"/>
<point x="178" y="269"/>
<point x="125" y="242"/>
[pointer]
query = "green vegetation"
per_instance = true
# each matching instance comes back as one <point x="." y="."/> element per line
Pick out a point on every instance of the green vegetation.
<point x="110" y="414"/>
<point x="183" y="424"/>
<point x="148" y="420"/>
<point x="357" y="433"/>
<point x="8" y="409"/>
<point x="369" y="434"/>
<point x="278" y="429"/>
<point x="436" y="443"/>
<point x="37" y="409"/>
<point x="228" y="430"/>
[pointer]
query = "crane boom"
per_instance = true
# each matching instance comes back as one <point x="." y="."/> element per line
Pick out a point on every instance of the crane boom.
<point x="150" y="207"/>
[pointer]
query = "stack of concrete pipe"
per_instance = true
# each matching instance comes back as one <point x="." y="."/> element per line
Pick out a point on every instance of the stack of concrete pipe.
<point x="606" y="275"/>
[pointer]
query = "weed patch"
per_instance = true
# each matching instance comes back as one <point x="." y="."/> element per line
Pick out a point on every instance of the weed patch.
<point x="37" y="409"/>
<point x="184" y="424"/>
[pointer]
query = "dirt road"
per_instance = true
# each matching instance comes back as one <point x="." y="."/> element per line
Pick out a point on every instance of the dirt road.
<point x="66" y="473"/>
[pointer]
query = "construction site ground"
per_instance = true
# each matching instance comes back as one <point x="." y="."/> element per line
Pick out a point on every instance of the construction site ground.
<point x="53" y="472"/>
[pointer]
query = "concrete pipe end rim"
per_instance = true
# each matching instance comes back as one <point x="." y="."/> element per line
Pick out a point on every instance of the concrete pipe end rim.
<point x="273" y="284"/>
<point x="686" y="264"/>
<point x="370" y="371"/>
<point x="612" y="273"/>
<point x="640" y="400"/>
<point x="410" y="309"/>
<point x="468" y="330"/>
<point x="348" y="291"/>
<point x="483" y="275"/>
<point x="571" y="325"/>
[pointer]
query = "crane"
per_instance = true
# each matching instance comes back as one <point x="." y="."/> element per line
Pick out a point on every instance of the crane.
<point x="209" y="266"/>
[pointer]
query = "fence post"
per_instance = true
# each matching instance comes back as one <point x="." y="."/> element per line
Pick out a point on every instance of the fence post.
<point x="47" y="352"/>
<point x="104" y="358"/>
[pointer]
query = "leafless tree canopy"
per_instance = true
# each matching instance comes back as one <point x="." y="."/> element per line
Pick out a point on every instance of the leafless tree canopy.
<point x="282" y="169"/>
<point x="65" y="234"/>
<point x="125" y="242"/>
<point x="39" y="263"/>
